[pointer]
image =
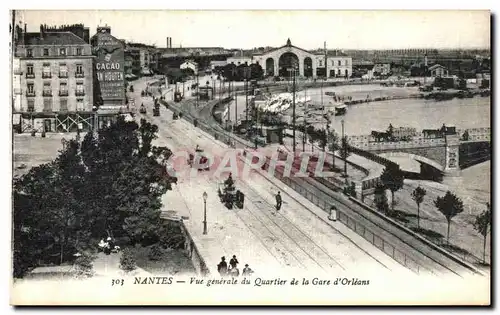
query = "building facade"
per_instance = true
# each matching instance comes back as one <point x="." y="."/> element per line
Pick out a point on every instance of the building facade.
<point x="189" y="64"/>
<point x="53" y="87"/>
<point x="109" y="83"/>
<point x="438" y="71"/>
<point x="279" y="62"/>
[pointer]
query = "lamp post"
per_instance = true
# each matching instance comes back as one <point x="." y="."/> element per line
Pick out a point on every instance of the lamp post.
<point x="205" y="196"/>
<point x="344" y="148"/>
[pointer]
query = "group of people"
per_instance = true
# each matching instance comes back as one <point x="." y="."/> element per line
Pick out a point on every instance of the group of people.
<point x="232" y="270"/>
<point x="108" y="246"/>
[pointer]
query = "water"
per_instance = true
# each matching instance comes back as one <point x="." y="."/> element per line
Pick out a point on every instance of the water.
<point x="361" y="119"/>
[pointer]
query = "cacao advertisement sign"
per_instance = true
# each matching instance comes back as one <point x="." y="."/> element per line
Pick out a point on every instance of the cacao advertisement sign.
<point x="109" y="67"/>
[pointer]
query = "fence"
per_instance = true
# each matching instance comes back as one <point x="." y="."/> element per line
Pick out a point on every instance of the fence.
<point x="355" y="225"/>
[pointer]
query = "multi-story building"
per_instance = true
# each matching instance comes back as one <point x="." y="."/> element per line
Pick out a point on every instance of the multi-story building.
<point x="141" y="59"/>
<point x="54" y="91"/>
<point x="110" y="77"/>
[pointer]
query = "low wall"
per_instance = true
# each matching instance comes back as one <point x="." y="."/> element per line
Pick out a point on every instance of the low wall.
<point x="193" y="253"/>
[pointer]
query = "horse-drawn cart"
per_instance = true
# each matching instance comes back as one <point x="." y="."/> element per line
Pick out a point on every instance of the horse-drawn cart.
<point x="229" y="196"/>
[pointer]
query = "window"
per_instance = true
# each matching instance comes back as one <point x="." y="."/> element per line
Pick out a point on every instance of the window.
<point x="63" y="70"/>
<point x="45" y="51"/>
<point x="30" y="89"/>
<point x="63" y="104"/>
<point x="339" y="62"/>
<point x="63" y="89"/>
<point x="29" y="69"/>
<point x="62" y="51"/>
<point x="79" y="104"/>
<point x="29" y="52"/>
<point x="31" y="105"/>
<point x="47" y="91"/>
<point x="79" y="89"/>
<point x="46" y="73"/>
<point x="47" y="104"/>
<point x="79" y="71"/>
<point x="321" y="63"/>
<point x="78" y="51"/>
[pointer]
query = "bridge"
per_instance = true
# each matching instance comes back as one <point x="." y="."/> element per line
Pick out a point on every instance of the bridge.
<point x="448" y="153"/>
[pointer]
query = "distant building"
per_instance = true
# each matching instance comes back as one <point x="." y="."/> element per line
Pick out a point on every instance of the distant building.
<point x="382" y="68"/>
<point x="140" y="58"/>
<point x="189" y="64"/>
<point x="279" y="62"/>
<point x="239" y="60"/>
<point x="53" y="73"/>
<point x="438" y="70"/>
<point x="214" y="64"/>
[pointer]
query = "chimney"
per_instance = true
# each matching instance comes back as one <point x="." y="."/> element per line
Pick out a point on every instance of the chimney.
<point x="41" y="30"/>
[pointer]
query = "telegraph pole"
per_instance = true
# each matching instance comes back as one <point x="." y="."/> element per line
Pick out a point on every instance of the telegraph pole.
<point x="197" y="88"/>
<point x="305" y="123"/>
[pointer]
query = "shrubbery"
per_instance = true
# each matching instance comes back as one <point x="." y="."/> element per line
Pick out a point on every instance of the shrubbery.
<point x="127" y="261"/>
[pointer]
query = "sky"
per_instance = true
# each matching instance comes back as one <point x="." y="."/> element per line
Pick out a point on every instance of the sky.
<point x="306" y="29"/>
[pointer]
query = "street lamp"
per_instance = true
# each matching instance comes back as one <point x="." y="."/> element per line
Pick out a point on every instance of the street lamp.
<point x="205" y="196"/>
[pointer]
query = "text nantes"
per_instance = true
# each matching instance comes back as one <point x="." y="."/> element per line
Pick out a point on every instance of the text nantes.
<point x="153" y="280"/>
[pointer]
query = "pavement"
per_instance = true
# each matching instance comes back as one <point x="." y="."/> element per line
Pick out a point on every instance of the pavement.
<point x="295" y="239"/>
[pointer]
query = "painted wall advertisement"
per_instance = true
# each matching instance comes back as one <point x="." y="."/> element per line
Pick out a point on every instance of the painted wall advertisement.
<point x="109" y="69"/>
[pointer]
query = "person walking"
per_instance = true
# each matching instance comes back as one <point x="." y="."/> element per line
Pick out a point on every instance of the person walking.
<point x="278" y="201"/>
<point x="233" y="262"/>
<point x="222" y="266"/>
<point x="247" y="271"/>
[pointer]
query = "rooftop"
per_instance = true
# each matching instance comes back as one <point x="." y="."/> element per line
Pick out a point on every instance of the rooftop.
<point x="53" y="38"/>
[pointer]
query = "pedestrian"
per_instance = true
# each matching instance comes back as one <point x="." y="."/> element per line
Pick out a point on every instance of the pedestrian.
<point x="278" y="201"/>
<point x="222" y="266"/>
<point x="234" y="272"/>
<point x="233" y="262"/>
<point x="247" y="271"/>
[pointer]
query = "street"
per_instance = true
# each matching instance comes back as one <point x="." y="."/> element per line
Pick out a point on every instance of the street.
<point x="269" y="241"/>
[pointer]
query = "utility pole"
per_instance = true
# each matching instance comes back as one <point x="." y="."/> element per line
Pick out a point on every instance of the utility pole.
<point x="305" y="123"/>
<point x="197" y="88"/>
<point x="425" y="68"/>
<point x="326" y="63"/>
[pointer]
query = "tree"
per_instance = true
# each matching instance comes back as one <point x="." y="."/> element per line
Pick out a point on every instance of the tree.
<point x="392" y="178"/>
<point x="482" y="225"/>
<point x="311" y="136"/>
<point x="322" y="139"/>
<point x="418" y="196"/>
<point x="449" y="205"/>
<point x="111" y="184"/>
<point x="465" y="135"/>
<point x="380" y="199"/>
<point x="333" y="145"/>
<point x="390" y="131"/>
<point x="345" y="152"/>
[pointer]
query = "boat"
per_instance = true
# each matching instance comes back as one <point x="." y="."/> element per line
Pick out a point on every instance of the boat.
<point x="340" y="110"/>
<point x="329" y="93"/>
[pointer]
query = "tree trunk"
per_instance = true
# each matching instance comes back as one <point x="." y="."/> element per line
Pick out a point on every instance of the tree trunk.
<point x="333" y="161"/>
<point x="448" y="234"/>
<point x="345" y="166"/>
<point x="418" y="216"/>
<point x="392" y="201"/>
<point x="62" y="251"/>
